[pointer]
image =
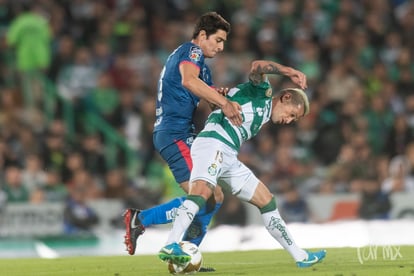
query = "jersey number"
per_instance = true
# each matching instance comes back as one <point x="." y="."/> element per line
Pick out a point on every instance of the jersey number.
<point x="159" y="94"/>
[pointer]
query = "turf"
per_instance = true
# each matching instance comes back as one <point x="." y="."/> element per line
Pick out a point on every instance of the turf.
<point x="368" y="261"/>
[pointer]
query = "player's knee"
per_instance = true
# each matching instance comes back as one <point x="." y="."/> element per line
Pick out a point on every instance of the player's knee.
<point x="270" y="206"/>
<point x="261" y="197"/>
<point x="185" y="186"/>
<point x="201" y="188"/>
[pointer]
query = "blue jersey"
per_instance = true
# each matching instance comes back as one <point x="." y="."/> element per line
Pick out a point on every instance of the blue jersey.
<point x="175" y="104"/>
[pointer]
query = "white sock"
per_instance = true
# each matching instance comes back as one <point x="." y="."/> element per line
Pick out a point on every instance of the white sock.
<point x="183" y="218"/>
<point x="278" y="229"/>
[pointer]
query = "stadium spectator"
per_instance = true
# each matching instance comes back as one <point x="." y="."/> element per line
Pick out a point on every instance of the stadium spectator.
<point x="33" y="175"/>
<point x="83" y="181"/>
<point x="54" y="152"/>
<point x="134" y="122"/>
<point x="115" y="185"/>
<point x="399" y="136"/>
<point x="375" y="204"/>
<point x="76" y="79"/>
<point x="120" y="73"/>
<point x="29" y="33"/>
<point x="73" y="162"/>
<point x="93" y="154"/>
<point x="79" y="217"/>
<point x="103" y="100"/>
<point x="62" y="56"/>
<point x="399" y="179"/>
<point x="54" y="190"/>
<point x="14" y="188"/>
<point x="379" y="122"/>
<point x="102" y="56"/>
<point x="293" y="207"/>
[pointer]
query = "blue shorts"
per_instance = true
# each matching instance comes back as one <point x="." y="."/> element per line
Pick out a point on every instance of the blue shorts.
<point x="174" y="148"/>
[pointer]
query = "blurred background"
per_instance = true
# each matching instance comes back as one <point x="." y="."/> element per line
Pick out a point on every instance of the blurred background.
<point x="78" y="80"/>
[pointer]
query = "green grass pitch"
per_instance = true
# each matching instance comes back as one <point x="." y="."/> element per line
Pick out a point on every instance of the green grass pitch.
<point x="387" y="261"/>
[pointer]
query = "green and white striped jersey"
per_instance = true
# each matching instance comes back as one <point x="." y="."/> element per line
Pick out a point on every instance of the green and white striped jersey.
<point x="256" y="104"/>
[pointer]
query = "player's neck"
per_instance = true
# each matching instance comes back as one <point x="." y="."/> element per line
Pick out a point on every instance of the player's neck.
<point x="195" y="41"/>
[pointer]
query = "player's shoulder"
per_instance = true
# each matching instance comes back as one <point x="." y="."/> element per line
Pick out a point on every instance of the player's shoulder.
<point x="187" y="47"/>
<point x="192" y="51"/>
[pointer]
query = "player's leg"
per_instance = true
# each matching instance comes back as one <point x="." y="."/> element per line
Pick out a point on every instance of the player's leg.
<point x="196" y="200"/>
<point x="249" y="188"/>
<point x="165" y="212"/>
<point x="178" y="158"/>
<point x="198" y="228"/>
<point x="208" y="165"/>
<point x="176" y="153"/>
<point x="276" y="226"/>
<point x="136" y="221"/>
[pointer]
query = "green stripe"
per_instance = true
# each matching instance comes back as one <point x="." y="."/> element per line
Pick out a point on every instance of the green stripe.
<point x="228" y="127"/>
<point x="216" y="117"/>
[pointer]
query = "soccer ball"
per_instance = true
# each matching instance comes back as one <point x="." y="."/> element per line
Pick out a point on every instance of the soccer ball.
<point x="193" y="265"/>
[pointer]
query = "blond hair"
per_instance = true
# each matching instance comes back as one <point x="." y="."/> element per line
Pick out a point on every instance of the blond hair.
<point x="298" y="97"/>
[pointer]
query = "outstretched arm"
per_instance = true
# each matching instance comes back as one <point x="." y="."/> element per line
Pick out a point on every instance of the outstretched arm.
<point x="191" y="81"/>
<point x="261" y="67"/>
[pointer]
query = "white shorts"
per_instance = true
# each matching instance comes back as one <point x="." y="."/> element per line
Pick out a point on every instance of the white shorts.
<point x="217" y="163"/>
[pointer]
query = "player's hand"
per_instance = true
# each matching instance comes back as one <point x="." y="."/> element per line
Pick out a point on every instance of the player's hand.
<point x="222" y="90"/>
<point x="232" y="111"/>
<point x="298" y="78"/>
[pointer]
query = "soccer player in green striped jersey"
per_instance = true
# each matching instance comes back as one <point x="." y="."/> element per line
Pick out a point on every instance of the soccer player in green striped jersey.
<point x="214" y="154"/>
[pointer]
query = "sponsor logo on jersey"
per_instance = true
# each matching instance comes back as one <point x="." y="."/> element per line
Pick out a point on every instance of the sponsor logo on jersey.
<point x="195" y="54"/>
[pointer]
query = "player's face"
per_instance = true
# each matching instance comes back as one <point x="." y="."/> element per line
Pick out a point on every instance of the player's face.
<point x="213" y="44"/>
<point x="285" y="113"/>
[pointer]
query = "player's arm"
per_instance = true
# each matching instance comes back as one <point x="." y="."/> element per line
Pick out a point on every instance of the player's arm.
<point x="223" y="91"/>
<point x="190" y="80"/>
<point x="260" y="68"/>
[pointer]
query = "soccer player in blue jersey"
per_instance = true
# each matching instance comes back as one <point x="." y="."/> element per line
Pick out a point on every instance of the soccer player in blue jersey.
<point x="214" y="154"/>
<point x="184" y="80"/>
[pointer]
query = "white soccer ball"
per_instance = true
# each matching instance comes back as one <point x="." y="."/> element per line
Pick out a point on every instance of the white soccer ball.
<point x="193" y="265"/>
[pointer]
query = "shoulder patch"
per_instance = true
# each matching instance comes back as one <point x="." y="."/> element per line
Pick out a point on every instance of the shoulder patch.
<point x="195" y="54"/>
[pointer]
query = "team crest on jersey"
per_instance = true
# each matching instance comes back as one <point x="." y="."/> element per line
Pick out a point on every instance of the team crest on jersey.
<point x="195" y="54"/>
<point x="212" y="170"/>
<point x="269" y="93"/>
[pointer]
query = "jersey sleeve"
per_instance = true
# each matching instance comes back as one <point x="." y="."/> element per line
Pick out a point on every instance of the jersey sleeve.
<point x="193" y="54"/>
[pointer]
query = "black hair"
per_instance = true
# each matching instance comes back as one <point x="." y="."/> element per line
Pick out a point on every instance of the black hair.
<point x="211" y="22"/>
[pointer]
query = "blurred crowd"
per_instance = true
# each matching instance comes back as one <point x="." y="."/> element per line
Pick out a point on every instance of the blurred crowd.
<point x="106" y="56"/>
